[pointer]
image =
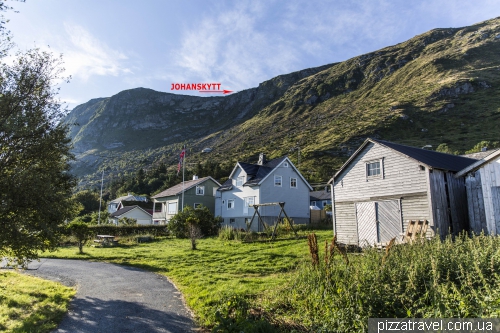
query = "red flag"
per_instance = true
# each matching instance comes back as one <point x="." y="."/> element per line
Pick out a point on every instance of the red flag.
<point x="181" y="159"/>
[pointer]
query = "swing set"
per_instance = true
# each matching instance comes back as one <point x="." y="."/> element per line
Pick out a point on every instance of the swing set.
<point x="261" y="221"/>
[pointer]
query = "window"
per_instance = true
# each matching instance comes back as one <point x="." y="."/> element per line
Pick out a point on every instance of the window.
<point x="232" y="220"/>
<point x="172" y="208"/>
<point x="293" y="182"/>
<point x="200" y="190"/>
<point x="373" y="169"/>
<point x="277" y="181"/>
<point x="197" y="205"/>
<point x="230" y="204"/>
<point x="240" y="180"/>
<point x="313" y="203"/>
<point x="285" y="164"/>
<point x="325" y="203"/>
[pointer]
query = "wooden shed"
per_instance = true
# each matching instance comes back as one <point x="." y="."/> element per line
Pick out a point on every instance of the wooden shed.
<point x="482" y="180"/>
<point x="383" y="185"/>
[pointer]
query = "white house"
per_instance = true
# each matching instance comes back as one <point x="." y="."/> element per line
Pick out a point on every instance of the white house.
<point x="277" y="180"/>
<point x="133" y="212"/>
<point x="482" y="181"/>
<point x="117" y="203"/>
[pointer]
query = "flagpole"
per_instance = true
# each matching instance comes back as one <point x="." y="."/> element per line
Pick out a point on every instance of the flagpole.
<point x="183" y="164"/>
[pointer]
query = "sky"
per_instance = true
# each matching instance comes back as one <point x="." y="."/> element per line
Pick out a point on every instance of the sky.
<point x="112" y="45"/>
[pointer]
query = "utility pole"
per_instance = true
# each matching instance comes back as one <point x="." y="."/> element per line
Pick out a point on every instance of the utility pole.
<point x="100" y="199"/>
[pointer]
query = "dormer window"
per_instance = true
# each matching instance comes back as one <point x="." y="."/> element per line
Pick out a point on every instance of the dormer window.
<point x="240" y="180"/>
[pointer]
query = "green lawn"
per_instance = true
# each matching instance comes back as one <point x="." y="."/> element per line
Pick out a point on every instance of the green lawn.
<point x="30" y="304"/>
<point x="213" y="273"/>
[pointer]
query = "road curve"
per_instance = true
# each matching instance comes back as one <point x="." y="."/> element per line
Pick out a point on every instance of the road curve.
<point x="116" y="299"/>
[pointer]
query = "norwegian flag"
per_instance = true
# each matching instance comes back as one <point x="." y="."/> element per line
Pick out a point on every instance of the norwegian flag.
<point x="181" y="159"/>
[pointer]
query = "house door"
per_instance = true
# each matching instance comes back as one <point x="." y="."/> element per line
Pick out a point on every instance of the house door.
<point x="378" y="221"/>
<point x="495" y="203"/>
<point x="389" y="220"/>
<point x="249" y="201"/>
<point x="367" y="228"/>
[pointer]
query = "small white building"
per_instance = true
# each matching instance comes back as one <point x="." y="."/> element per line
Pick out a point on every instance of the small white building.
<point x="133" y="212"/>
<point x="482" y="181"/>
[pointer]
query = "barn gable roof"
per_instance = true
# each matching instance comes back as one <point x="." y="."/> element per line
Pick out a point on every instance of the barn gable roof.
<point x="431" y="159"/>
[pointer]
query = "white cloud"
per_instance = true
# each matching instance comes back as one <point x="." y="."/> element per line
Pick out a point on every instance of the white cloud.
<point x="86" y="56"/>
<point x="232" y="48"/>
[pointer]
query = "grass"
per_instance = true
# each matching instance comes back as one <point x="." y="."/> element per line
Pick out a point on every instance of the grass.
<point x="433" y="279"/>
<point x="30" y="304"/>
<point x="219" y="270"/>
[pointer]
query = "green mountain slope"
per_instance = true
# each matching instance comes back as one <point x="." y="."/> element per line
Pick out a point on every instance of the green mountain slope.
<point x="439" y="87"/>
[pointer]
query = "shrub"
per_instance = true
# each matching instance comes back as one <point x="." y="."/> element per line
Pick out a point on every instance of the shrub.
<point x="109" y="229"/>
<point x="229" y="233"/>
<point x="430" y="279"/>
<point x="81" y="231"/>
<point x="207" y="223"/>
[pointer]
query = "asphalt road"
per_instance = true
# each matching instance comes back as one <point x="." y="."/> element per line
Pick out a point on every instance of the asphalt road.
<point x="112" y="298"/>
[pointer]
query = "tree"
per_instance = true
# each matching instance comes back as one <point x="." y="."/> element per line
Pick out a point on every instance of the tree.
<point x="35" y="183"/>
<point x="81" y="231"/>
<point x="89" y="199"/>
<point x="202" y="217"/>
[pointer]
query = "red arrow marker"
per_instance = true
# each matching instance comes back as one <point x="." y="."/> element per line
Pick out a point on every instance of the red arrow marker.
<point x="216" y="91"/>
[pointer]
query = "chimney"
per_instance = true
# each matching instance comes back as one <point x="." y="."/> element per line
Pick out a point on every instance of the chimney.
<point x="195" y="177"/>
<point x="262" y="159"/>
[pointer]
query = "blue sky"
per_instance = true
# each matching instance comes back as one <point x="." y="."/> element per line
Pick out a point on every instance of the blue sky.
<point x="112" y="45"/>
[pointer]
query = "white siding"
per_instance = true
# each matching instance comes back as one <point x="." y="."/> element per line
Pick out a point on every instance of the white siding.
<point x="400" y="176"/>
<point x="483" y="198"/>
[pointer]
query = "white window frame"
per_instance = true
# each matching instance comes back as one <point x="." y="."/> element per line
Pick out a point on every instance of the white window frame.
<point x="172" y="212"/>
<point x="230" y="203"/>
<point x="291" y="182"/>
<point x="285" y="164"/>
<point x="239" y="181"/>
<point x="232" y="220"/>
<point x="280" y="181"/>
<point x="380" y="168"/>
<point x="200" y="190"/>
<point x="313" y="203"/>
<point x="197" y="205"/>
<point x="325" y="202"/>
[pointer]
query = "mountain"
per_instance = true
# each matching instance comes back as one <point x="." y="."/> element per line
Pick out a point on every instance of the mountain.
<point x="441" y="87"/>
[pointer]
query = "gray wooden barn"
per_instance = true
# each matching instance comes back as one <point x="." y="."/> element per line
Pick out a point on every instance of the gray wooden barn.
<point x="482" y="180"/>
<point x="383" y="185"/>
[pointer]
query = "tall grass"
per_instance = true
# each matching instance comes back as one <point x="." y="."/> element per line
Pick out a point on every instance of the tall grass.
<point x="438" y="279"/>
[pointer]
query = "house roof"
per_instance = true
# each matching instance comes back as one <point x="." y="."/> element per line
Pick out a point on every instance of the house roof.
<point x="320" y="195"/>
<point x="257" y="173"/>
<point x="178" y="189"/>
<point x="129" y="197"/>
<point x="228" y="184"/>
<point x="494" y="154"/>
<point x="430" y="158"/>
<point x="127" y="209"/>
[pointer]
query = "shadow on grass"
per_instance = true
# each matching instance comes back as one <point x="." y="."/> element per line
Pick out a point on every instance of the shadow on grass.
<point x="98" y="315"/>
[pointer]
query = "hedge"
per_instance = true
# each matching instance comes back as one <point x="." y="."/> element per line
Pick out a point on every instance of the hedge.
<point x="127" y="230"/>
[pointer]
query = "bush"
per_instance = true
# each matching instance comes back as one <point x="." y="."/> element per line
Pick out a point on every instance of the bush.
<point x="205" y="220"/>
<point x="229" y="233"/>
<point x="430" y="279"/>
<point x="109" y="229"/>
<point x="80" y="231"/>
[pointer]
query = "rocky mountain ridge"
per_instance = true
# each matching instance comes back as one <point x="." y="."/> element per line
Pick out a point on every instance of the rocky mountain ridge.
<point x="441" y="87"/>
